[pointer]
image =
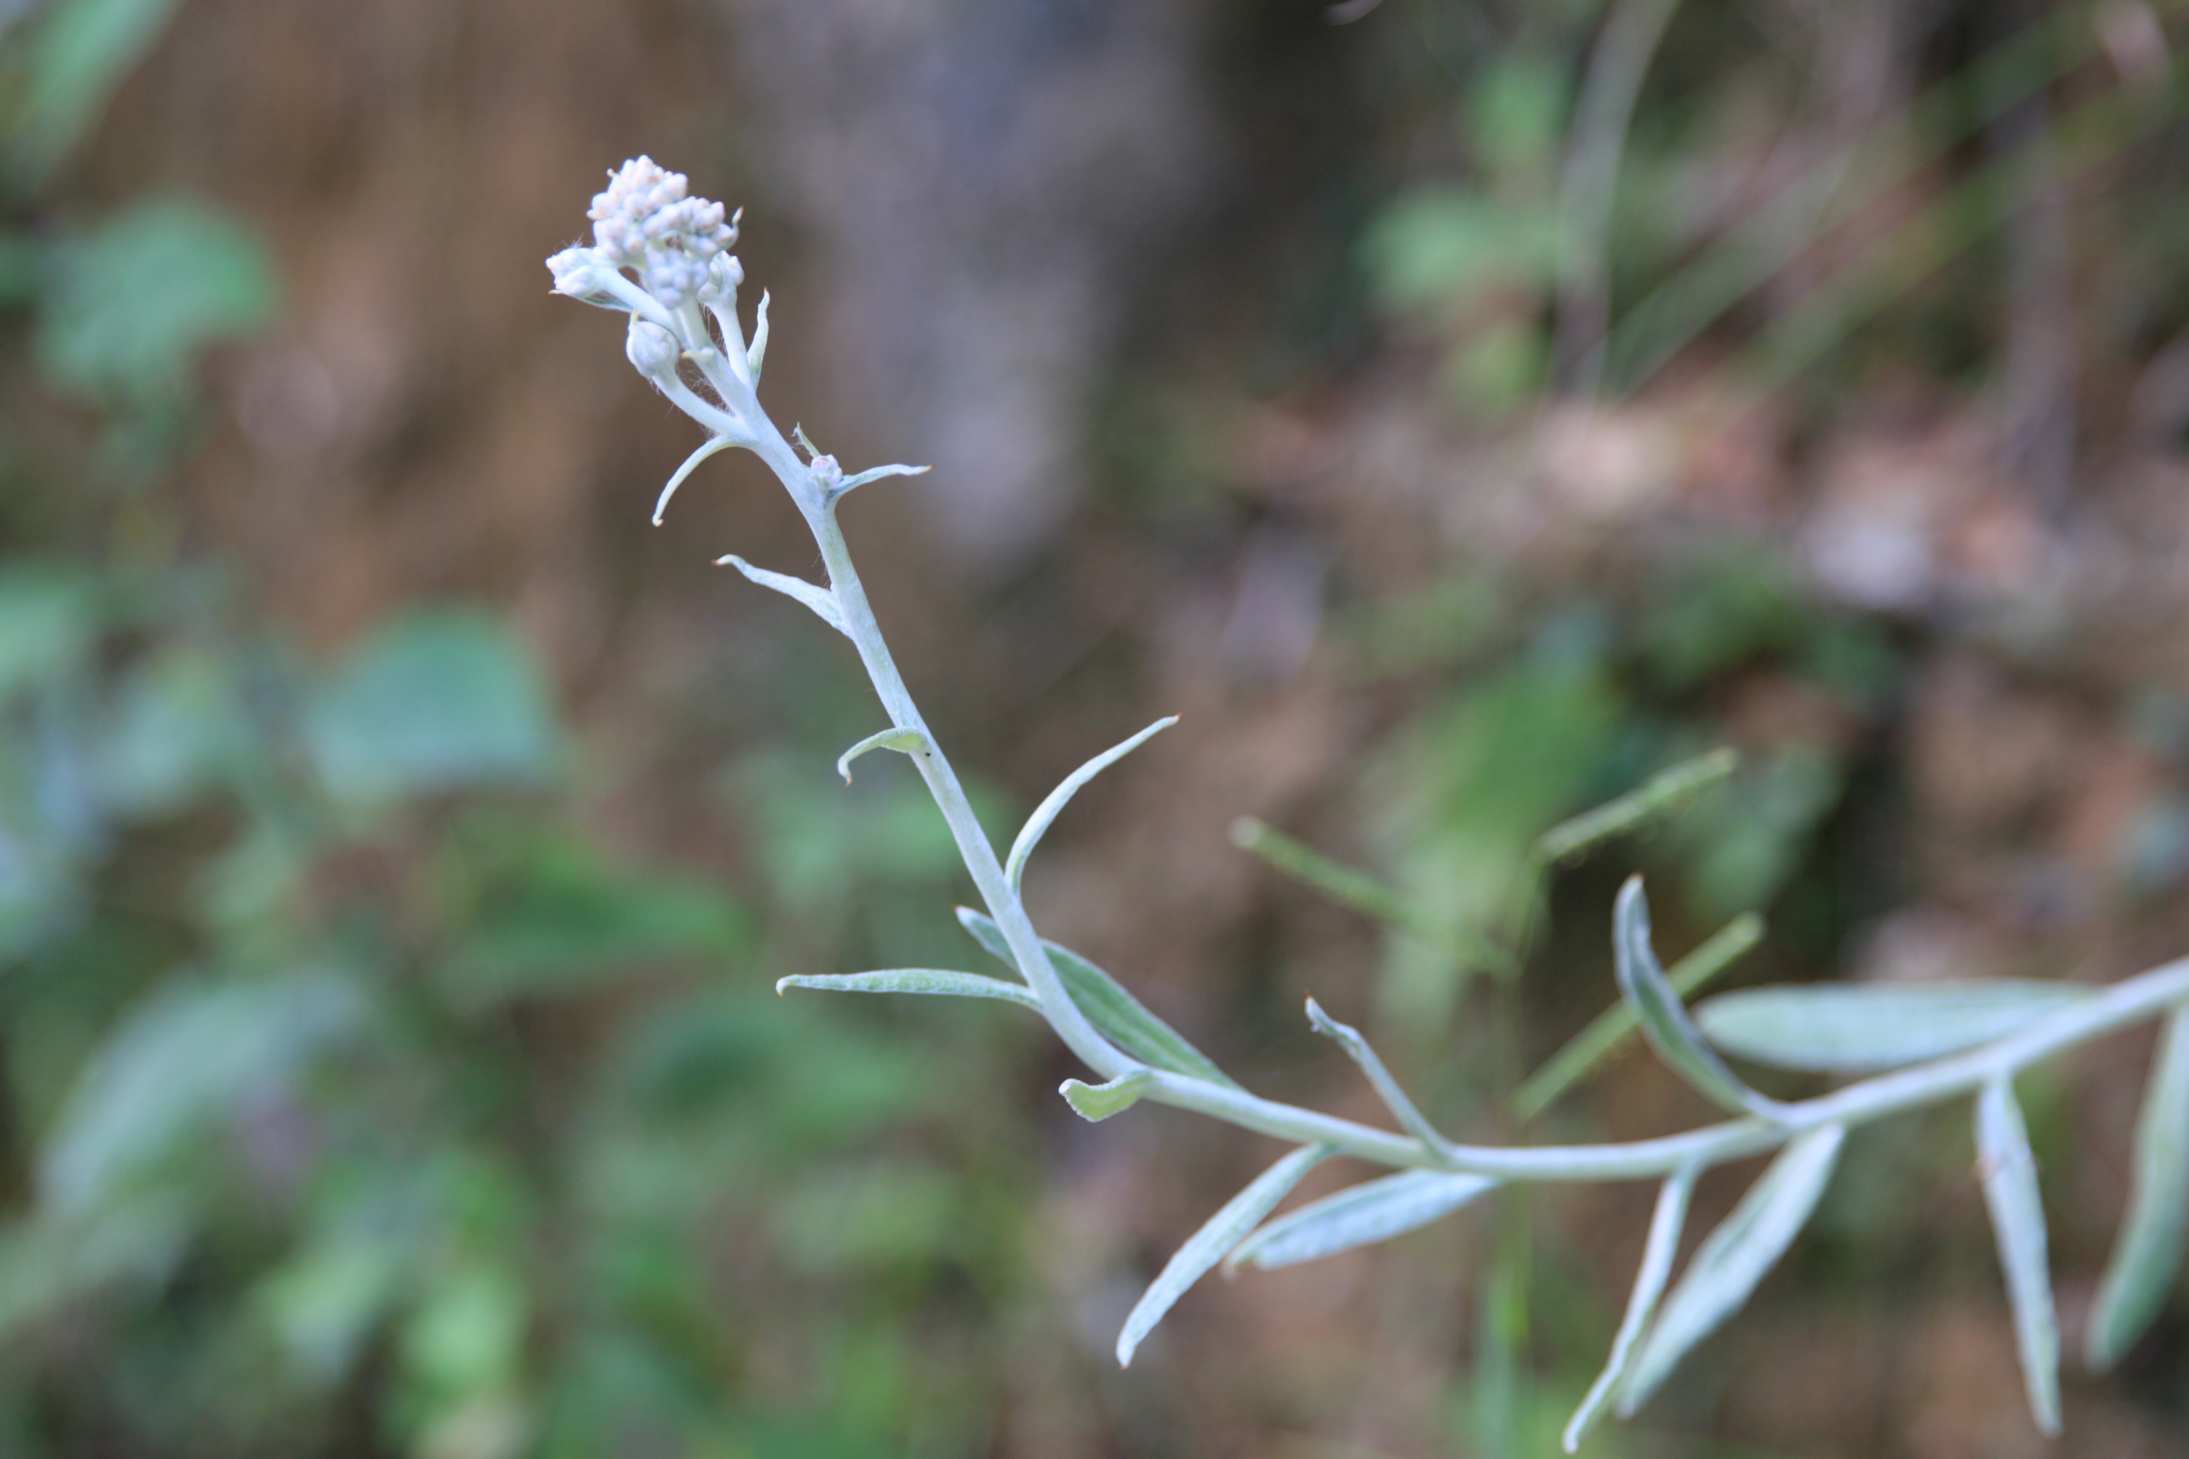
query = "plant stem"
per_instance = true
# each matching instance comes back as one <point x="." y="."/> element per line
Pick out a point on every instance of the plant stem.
<point x="974" y="848"/>
<point x="2117" y="1007"/>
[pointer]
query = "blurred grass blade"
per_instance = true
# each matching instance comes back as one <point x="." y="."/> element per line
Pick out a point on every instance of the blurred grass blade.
<point x="1649" y="1284"/>
<point x="1037" y="825"/>
<point x="1736" y="1257"/>
<point x="1664" y="1018"/>
<point x="1123" y="1019"/>
<point x="1209" y="1245"/>
<point x="903" y="741"/>
<point x="1834" y="1030"/>
<point x="2148" y="1254"/>
<point x="1387" y="1088"/>
<point x="1661" y="794"/>
<point x="819" y="599"/>
<point x="1097" y="1102"/>
<point x="2018" y="1217"/>
<point x="1355" y="889"/>
<point x="1611" y="1028"/>
<point x="936" y="982"/>
<point x="1360" y="1215"/>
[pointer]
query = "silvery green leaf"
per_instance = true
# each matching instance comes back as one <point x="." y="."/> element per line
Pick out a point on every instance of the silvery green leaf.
<point x="1360" y="1215"/>
<point x="1209" y="1245"/>
<point x="711" y="446"/>
<point x="903" y="741"/>
<point x="1664" y="1019"/>
<point x="938" y="982"/>
<point x="875" y="473"/>
<point x="1649" y="1284"/>
<point x="819" y="599"/>
<point x="1857" y="1029"/>
<point x="1123" y="1019"/>
<point x="1097" y="1102"/>
<point x="2148" y="1254"/>
<point x="1387" y="1089"/>
<point x="1734" y="1259"/>
<point x="1037" y="824"/>
<point x="2018" y="1218"/>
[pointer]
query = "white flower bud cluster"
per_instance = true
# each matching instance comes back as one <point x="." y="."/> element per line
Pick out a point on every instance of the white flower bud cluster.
<point x="646" y="221"/>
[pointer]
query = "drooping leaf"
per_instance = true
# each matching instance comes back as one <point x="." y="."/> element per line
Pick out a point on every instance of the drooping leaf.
<point x="1664" y="1018"/>
<point x="1735" y="1259"/>
<point x="938" y="982"/>
<point x="2018" y="1219"/>
<point x="433" y="702"/>
<point x="1375" y="1210"/>
<point x="2148" y="1254"/>
<point x="1037" y="825"/>
<point x="1123" y="1019"/>
<point x="185" y="1057"/>
<point x="1658" y="1252"/>
<point x="1209" y="1245"/>
<point x="1875" y="1026"/>
<point x="1097" y="1102"/>
<point x="903" y="741"/>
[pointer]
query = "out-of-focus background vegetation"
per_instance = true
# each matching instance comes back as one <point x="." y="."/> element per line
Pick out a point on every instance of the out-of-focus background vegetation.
<point x="1458" y="413"/>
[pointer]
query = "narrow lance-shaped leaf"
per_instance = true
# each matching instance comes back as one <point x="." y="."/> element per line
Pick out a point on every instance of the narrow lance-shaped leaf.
<point x="1113" y="1010"/>
<point x="1361" y="1215"/>
<point x="819" y="599"/>
<point x="858" y="479"/>
<point x="1037" y="824"/>
<point x="1735" y="1259"/>
<point x="1209" y="1245"/>
<point x="1649" y="1284"/>
<point x="936" y="982"/>
<point x="1606" y="1032"/>
<point x="756" y="353"/>
<point x="903" y="741"/>
<point x="2148" y="1255"/>
<point x="1664" y="1019"/>
<point x="691" y="463"/>
<point x="1836" y="1030"/>
<point x="2018" y="1218"/>
<point x="1387" y="1088"/>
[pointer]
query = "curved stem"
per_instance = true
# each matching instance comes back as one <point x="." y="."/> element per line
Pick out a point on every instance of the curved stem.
<point x="2119" y="1006"/>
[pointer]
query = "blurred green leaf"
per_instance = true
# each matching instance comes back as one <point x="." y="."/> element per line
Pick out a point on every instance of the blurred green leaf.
<point x="131" y="303"/>
<point x="49" y="616"/>
<point x="433" y="702"/>
<point x="1876" y="1025"/>
<point x="466" y="1337"/>
<point x="1516" y="114"/>
<point x="1437" y="246"/>
<point x="172" y="724"/>
<point x="184" y="1057"/>
<point x="77" y="54"/>
<point x="558" y="920"/>
<point x="322" y="1303"/>
<point x="2147" y="1257"/>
